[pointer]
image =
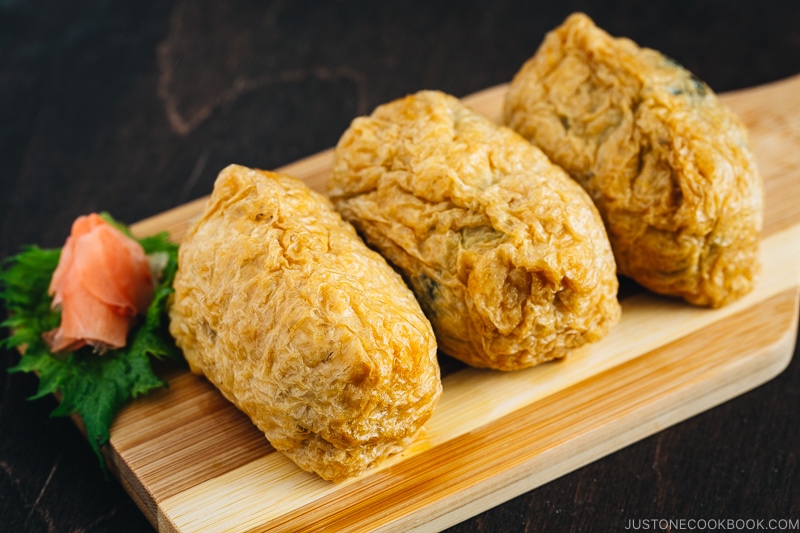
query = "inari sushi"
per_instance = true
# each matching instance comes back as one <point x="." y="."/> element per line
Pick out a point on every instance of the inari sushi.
<point x="668" y="165"/>
<point x="506" y="254"/>
<point x="313" y="335"/>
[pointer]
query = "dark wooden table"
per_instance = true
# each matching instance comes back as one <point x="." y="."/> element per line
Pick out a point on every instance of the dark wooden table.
<point x="133" y="108"/>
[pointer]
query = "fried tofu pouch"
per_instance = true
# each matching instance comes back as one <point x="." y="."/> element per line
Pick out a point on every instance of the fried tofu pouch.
<point x="506" y="254"/>
<point x="314" y="336"/>
<point x="668" y="165"/>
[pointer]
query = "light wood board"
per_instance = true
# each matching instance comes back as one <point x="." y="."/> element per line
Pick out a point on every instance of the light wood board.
<point x="193" y="463"/>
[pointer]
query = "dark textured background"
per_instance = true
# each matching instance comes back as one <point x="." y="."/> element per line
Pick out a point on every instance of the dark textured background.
<point x="133" y="108"/>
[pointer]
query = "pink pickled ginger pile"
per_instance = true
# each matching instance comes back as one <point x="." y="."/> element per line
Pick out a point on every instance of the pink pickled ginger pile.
<point x="102" y="281"/>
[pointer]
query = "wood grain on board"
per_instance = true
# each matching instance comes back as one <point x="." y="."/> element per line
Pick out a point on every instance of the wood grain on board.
<point x="192" y="462"/>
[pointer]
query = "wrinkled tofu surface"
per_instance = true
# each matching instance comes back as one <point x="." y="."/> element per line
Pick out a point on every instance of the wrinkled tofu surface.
<point x="668" y="165"/>
<point x="506" y="254"/>
<point x="313" y="335"/>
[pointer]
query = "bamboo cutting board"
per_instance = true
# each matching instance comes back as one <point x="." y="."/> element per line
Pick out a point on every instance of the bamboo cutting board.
<point x="193" y="463"/>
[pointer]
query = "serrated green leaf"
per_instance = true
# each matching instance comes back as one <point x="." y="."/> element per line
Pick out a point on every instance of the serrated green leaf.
<point x="92" y="385"/>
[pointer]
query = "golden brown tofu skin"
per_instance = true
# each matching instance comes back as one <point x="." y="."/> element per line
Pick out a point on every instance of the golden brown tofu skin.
<point x="667" y="164"/>
<point x="507" y="255"/>
<point x="313" y="335"/>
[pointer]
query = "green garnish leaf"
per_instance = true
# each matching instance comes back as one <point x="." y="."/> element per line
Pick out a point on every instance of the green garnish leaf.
<point x="91" y="385"/>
